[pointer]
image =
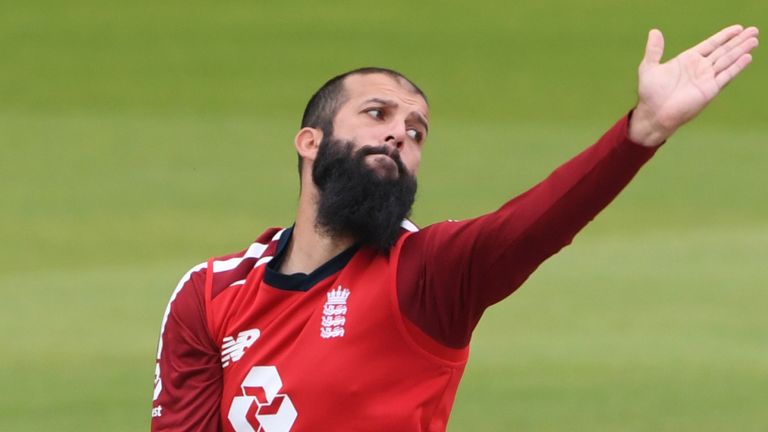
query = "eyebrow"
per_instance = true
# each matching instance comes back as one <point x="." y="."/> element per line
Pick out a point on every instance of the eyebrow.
<point x="392" y="104"/>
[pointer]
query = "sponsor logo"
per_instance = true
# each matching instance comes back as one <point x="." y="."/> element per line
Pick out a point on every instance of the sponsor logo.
<point x="261" y="408"/>
<point x="334" y="313"/>
<point x="158" y="382"/>
<point x="157" y="411"/>
<point x="233" y="349"/>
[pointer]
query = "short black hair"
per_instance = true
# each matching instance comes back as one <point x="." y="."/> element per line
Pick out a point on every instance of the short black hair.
<point x="325" y="103"/>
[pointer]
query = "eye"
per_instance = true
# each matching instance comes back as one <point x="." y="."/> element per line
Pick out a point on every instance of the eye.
<point x="376" y="113"/>
<point x="415" y="134"/>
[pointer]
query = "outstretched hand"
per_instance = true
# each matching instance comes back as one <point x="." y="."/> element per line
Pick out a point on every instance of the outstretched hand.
<point x="673" y="93"/>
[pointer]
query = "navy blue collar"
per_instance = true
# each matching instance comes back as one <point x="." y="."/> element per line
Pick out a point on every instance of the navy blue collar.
<point x="303" y="281"/>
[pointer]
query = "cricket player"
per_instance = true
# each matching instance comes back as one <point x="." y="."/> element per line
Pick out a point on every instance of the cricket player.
<point x="352" y="318"/>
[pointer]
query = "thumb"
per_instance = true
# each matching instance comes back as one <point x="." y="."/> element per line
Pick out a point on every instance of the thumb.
<point x="654" y="48"/>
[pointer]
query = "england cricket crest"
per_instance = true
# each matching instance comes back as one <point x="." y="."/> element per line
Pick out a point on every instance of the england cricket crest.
<point x="334" y="313"/>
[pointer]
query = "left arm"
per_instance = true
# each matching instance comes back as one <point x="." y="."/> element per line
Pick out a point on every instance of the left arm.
<point x="450" y="273"/>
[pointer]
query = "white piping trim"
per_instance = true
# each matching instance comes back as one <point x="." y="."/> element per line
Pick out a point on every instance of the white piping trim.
<point x="176" y="291"/>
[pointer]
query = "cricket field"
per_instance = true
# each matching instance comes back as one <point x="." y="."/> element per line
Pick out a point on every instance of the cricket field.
<point x="139" y="138"/>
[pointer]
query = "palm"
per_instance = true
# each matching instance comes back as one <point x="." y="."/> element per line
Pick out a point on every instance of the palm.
<point x="676" y="91"/>
<point x="679" y="89"/>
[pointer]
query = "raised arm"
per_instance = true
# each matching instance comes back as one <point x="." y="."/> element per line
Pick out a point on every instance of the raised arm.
<point x="451" y="272"/>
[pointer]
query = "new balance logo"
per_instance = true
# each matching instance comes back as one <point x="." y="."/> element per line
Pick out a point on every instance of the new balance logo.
<point x="233" y="349"/>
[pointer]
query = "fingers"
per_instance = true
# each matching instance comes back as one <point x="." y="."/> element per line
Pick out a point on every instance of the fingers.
<point x="707" y="46"/>
<point x="654" y="48"/>
<point x="735" y="42"/>
<point x="733" y="70"/>
<point x="733" y="55"/>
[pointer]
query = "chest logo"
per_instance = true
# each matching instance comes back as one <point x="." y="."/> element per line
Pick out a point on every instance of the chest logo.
<point x="233" y="349"/>
<point x="334" y="313"/>
<point x="263" y="406"/>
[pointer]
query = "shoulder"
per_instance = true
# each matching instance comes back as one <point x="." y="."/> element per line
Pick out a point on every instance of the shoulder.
<point x="232" y="269"/>
<point x="190" y="299"/>
<point x="435" y="233"/>
<point x="222" y="271"/>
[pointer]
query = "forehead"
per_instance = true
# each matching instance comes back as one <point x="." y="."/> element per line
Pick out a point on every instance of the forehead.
<point x="361" y="87"/>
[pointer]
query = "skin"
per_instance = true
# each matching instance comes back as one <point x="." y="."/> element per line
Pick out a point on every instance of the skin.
<point x="378" y="111"/>
<point x="381" y="110"/>
<point x="673" y="93"/>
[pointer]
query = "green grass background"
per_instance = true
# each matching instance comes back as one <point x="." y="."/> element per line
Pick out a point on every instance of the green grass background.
<point x="138" y="138"/>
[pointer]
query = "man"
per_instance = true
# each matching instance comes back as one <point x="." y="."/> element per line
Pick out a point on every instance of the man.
<point x="353" y="319"/>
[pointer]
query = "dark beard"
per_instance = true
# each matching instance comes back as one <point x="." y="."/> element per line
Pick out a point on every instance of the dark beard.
<point x="354" y="201"/>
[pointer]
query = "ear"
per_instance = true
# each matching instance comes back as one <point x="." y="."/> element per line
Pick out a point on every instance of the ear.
<point x="307" y="142"/>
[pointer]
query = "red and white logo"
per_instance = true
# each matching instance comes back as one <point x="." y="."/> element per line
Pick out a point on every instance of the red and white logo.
<point x="261" y="408"/>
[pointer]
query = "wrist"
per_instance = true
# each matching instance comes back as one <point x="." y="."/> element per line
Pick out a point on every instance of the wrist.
<point x="644" y="129"/>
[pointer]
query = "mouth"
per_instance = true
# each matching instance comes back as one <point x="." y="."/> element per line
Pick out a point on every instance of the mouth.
<point x="383" y="165"/>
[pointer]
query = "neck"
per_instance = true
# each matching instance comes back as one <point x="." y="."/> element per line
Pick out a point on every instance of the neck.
<point x="309" y="248"/>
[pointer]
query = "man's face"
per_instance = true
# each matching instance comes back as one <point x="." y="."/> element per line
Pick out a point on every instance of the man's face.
<point x="365" y="171"/>
<point x="380" y="110"/>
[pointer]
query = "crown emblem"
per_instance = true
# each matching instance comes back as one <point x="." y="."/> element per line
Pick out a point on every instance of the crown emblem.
<point x="337" y="296"/>
<point x="334" y="313"/>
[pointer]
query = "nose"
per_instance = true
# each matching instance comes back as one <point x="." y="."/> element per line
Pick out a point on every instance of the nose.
<point x="394" y="142"/>
<point x="396" y="136"/>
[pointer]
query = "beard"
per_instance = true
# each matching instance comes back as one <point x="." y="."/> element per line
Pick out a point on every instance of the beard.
<point x="354" y="200"/>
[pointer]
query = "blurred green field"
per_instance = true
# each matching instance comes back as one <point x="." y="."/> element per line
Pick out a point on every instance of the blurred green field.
<point x="139" y="138"/>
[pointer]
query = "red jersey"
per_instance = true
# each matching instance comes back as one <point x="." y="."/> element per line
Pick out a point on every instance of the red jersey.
<point x="368" y="341"/>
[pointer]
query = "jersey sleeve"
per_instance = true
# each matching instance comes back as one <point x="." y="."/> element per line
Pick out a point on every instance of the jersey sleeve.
<point x="188" y="374"/>
<point x="450" y="272"/>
